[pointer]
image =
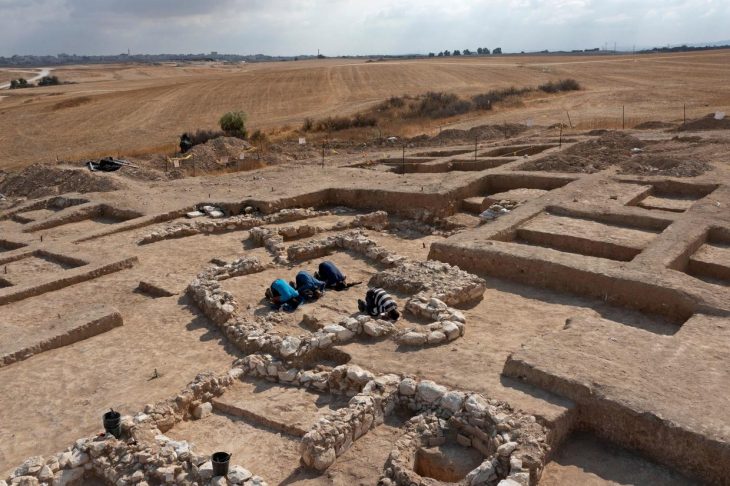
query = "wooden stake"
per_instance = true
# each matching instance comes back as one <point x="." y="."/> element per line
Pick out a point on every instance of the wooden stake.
<point x="685" y="115"/>
<point x="560" y="141"/>
<point x="475" y="147"/>
<point x="403" y="163"/>
<point x="569" y="121"/>
<point x="623" y="117"/>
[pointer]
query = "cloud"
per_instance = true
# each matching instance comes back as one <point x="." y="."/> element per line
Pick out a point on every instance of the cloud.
<point x="350" y="26"/>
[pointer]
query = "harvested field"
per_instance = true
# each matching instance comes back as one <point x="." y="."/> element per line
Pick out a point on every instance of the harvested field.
<point x="143" y="106"/>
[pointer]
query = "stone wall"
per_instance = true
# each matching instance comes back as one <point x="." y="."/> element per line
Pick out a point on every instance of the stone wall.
<point x="236" y="223"/>
<point x="514" y="444"/>
<point x="143" y="455"/>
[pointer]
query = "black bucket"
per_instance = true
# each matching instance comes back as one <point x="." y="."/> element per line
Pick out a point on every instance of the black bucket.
<point x="113" y="423"/>
<point x="220" y="463"/>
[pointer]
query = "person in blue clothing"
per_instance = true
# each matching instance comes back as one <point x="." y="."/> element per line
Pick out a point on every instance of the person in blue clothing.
<point x="309" y="287"/>
<point x="331" y="276"/>
<point x="283" y="295"/>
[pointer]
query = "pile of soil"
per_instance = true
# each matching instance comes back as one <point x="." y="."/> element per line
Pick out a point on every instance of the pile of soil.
<point x="588" y="157"/>
<point x="454" y="136"/>
<point x="663" y="166"/>
<point x="219" y="155"/>
<point x="706" y="123"/>
<point x="41" y="180"/>
<point x="654" y="125"/>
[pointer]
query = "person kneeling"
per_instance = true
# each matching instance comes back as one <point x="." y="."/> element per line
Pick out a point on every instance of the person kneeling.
<point x="378" y="303"/>
<point x="283" y="295"/>
<point x="331" y="275"/>
<point x="308" y="287"/>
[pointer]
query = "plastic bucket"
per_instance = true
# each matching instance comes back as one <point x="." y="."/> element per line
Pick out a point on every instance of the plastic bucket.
<point x="113" y="423"/>
<point x="220" y="463"/>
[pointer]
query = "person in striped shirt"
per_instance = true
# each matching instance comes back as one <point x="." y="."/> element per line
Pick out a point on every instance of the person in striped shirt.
<point x="378" y="303"/>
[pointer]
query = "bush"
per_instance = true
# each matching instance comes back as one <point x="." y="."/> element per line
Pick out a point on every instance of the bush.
<point x="19" y="83"/>
<point x="49" y="81"/>
<point x="333" y="124"/>
<point x="561" y="85"/>
<point x="234" y="123"/>
<point x="202" y="136"/>
<point x="440" y="105"/>
<point x="259" y="138"/>
<point x="485" y="101"/>
<point x="308" y="125"/>
<point x="392" y="102"/>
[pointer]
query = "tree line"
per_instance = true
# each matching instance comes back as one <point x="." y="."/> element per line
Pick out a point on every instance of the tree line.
<point x="481" y="51"/>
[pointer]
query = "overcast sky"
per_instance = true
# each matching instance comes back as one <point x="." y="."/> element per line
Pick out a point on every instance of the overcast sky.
<point x="290" y="27"/>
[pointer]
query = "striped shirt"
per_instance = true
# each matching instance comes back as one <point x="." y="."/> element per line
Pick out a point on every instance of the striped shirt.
<point x="379" y="302"/>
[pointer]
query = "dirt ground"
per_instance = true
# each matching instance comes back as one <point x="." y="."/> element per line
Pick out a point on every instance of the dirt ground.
<point x="590" y="462"/>
<point x="559" y="257"/>
<point x="146" y="108"/>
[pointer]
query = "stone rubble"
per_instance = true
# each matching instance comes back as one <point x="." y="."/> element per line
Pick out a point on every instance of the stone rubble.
<point x="251" y="335"/>
<point x="273" y="238"/>
<point x="222" y="225"/>
<point x="143" y="455"/>
<point x="513" y="444"/>
<point x="498" y="209"/>
<point x="436" y="279"/>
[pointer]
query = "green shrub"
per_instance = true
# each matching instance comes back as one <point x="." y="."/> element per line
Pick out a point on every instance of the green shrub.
<point x="49" y="81"/>
<point x="234" y="123"/>
<point x="19" y="83"/>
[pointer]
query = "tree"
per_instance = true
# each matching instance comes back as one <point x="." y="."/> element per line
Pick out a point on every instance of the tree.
<point x="49" y="81"/>
<point x="431" y="54"/>
<point x="441" y="54"/>
<point x="18" y="83"/>
<point x="457" y="52"/>
<point x="485" y="51"/>
<point x="479" y="51"/>
<point x="234" y="123"/>
<point x="497" y="50"/>
<point x="467" y="52"/>
<point x="447" y="53"/>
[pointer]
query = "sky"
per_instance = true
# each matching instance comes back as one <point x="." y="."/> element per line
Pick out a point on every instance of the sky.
<point x="349" y="27"/>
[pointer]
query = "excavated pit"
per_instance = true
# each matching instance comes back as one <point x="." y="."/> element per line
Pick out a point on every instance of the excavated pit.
<point x="450" y="462"/>
<point x="581" y="248"/>
<point x="517" y="150"/>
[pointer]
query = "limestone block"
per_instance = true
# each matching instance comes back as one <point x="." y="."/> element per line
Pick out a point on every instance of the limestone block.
<point x="429" y="392"/>
<point x="203" y="410"/>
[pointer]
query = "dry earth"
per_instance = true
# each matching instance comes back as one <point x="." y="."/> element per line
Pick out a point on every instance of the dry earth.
<point x="602" y="324"/>
<point x="140" y="109"/>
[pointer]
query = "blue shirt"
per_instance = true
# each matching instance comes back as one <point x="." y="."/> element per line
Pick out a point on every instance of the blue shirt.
<point x="330" y="273"/>
<point x="285" y="291"/>
<point x="306" y="282"/>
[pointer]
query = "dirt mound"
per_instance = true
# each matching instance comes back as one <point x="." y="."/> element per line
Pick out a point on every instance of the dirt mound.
<point x="220" y="154"/>
<point x="588" y="157"/>
<point x="40" y="180"/>
<point x="482" y="132"/>
<point x="706" y="123"/>
<point x="654" y="125"/>
<point x="663" y="166"/>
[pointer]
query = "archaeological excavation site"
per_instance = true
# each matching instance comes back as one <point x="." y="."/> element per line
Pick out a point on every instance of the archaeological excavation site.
<point x="564" y="316"/>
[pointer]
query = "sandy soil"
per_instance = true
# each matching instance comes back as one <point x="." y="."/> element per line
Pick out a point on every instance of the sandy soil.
<point x="587" y="461"/>
<point x="147" y="107"/>
<point x="63" y="392"/>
